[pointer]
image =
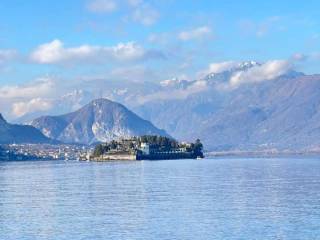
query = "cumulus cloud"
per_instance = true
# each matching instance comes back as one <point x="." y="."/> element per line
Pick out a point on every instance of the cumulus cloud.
<point x="102" y="6"/>
<point x="36" y="104"/>
<point x="222" y="66"/>
<point x="218" y="68"/>
<point x="197" y="33"/>
<point x="16" y="100"/>
<point x="145" y="14"/>
<point x="54" y="52"/>
<point x="195" y="87"/>
<point x="267" y="71"/>
<point x="40" y="87"/>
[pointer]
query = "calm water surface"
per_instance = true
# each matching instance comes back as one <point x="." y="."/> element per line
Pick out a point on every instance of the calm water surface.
<point x="185" y="199"/>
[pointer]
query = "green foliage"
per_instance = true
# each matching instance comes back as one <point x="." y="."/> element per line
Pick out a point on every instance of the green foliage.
<point x="98" y="150"/>
<point x="156" y="143"/>
<point x="159" y="142"/>
<point x="198" y="148"/>
<point x="113" y="144"/>
<point x="131" y="145"/>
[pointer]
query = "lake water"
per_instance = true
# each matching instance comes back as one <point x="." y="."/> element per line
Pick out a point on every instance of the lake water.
<point x="183" y="199"/>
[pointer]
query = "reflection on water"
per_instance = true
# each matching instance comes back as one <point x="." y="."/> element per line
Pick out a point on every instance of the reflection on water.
<point x="185" y="199"/>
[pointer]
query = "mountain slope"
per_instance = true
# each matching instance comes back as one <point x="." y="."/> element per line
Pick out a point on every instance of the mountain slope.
<point x="283" y="113"/>
<point x="12" y="133"/>
<point x="100" y="120"/>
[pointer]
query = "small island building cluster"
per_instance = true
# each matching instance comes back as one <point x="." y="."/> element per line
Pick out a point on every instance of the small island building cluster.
<point x="147" y="148"/>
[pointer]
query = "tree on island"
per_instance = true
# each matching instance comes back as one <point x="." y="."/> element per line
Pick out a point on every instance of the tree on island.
<point x="197" y="148"/>
<point x="159" y="142"/>
<point x="98" y="150"/>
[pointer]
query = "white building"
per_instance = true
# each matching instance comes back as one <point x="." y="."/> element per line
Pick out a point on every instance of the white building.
<point x="145" y="148"/>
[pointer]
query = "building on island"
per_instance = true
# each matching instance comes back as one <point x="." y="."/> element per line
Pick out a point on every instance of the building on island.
<point x="146" y="148"/>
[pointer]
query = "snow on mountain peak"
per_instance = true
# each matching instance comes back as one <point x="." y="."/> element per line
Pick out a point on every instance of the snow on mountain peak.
<point x="248" y="64"/>
<point x="171" y="82"/>
<point x="226" y="68"/>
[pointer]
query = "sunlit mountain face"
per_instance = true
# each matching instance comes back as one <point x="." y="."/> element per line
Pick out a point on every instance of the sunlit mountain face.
<point x="101" y="120"/>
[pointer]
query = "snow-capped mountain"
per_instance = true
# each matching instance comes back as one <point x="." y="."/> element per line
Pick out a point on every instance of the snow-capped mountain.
<point x="174" y="83"/>
<point x="99" y="121"/>
<point x="244" y="117"/>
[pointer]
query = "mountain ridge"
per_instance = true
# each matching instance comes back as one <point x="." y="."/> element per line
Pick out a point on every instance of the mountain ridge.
<point x="100" y="120"/>
<point x="14" y="133"/>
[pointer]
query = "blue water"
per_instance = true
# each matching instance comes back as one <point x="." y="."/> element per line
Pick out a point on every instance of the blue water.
<point x="184" y="199"/>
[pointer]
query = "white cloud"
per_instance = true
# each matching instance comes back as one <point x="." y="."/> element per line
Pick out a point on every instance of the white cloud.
<point x="267" y="71"/>
<point x="17" y="100"/>
<point x="102" y="6"/>
<point x="7" y="54"/>
<point x="40" y="87"/>
<point x="36" y="104"/>
<point x="145" y="14"/>
<point x="217" y="68"/>
<point x="222" y="66"/>
<point x="195" y="87"/>
<point x="195" y="34"/>
<point x="55" y="52"/>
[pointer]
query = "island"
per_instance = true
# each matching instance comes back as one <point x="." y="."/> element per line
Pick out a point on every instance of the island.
<point x="147" y="148"/>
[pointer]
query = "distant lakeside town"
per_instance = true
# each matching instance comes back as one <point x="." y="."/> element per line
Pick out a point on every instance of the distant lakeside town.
<point x="135" y="148"/>
<point x="20" y="152"/>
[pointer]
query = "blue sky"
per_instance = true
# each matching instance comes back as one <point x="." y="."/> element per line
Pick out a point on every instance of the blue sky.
<point x="151" y="40"/>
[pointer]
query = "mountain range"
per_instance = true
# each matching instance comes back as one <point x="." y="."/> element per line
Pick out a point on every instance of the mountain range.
<point x="282" y="112"/>
<point x="99" y="121"/>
